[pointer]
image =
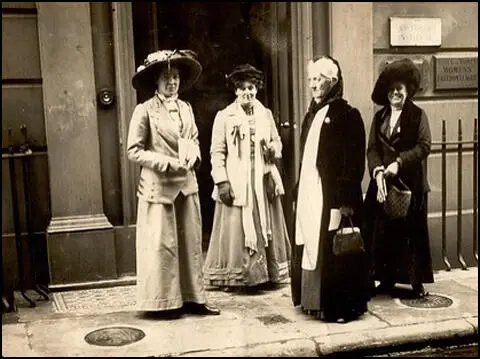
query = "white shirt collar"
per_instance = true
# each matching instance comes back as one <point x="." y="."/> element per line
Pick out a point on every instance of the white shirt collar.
<point x="162" y="97"/>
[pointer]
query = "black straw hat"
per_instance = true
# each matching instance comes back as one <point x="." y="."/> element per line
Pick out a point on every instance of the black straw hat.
<point x="246" y="72"/>
<point x="404" y="71"/>
<point x="185" y="60"/>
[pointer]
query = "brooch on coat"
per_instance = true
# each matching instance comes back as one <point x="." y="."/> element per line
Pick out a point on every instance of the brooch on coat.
<point x="327" y="120"/>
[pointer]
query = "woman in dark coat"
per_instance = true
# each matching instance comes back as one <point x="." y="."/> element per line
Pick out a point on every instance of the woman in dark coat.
<point x="398" y="146"/>
<point x="329" y="287"/>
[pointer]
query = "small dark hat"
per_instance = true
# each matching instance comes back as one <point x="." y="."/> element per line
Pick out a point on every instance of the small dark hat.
<point x="185" y="60"/>
<point x="246" y="72"/>
<point x="404" y="71"/>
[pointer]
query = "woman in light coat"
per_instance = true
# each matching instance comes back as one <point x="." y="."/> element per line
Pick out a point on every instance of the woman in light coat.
<point x="249" y="244"/>
<point x="163" y="140"/>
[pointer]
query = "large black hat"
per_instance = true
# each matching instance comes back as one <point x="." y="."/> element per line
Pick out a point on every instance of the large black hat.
<point x="185" y="60"/>
<point x="246" y="72"/>
<point x="404" y="71"/>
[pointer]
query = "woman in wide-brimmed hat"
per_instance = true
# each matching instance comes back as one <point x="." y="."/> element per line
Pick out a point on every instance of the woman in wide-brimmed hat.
<point x="398" y="146"/>
<point x="249" y="243"/>
<point x="163" y="140"/>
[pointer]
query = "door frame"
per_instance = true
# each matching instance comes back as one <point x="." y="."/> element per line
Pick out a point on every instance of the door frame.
<point x="124" y="59"/>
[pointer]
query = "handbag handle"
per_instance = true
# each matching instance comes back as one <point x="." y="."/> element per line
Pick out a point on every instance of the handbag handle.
<point x="342" y="221"/>
<point x="404" y="186"/>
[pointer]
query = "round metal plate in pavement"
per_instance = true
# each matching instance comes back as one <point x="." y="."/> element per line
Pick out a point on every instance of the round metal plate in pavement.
<point x="430" y="301"/>
<point x="114" y="336"/>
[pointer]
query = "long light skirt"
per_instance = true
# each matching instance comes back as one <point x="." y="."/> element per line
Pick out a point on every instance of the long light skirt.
<point x="169" y="254"/>
<point x="229" y="263"/>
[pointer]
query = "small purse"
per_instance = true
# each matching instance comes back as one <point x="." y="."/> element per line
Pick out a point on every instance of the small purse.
<point x="398" y="200"/>
<point x="268" y="181"/>
<point x="269" y="185"/>
<point x="347" y="240"/>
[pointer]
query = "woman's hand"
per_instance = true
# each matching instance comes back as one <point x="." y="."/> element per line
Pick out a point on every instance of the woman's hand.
<point x="176" y="166"/>
<point x="346" y="211"/>
<point x="392" y="169"/>
<point x="382" y="187"/>
<point x="191" y="161"/>
<point x="225" y="193"/>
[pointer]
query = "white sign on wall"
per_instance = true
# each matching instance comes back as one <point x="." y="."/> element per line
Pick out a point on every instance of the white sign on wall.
<point x="415" y="31"/>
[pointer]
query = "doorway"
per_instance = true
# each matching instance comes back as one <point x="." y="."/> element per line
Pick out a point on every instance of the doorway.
<point x="223" y="34"/>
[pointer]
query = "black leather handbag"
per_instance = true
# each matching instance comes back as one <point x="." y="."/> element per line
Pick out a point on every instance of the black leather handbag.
<point x="347" y="240"/>
<point x="398" y="200"/>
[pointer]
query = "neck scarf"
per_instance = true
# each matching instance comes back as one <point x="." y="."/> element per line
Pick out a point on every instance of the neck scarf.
<point x="162" y="97"/>
<point x="335" y="93"/>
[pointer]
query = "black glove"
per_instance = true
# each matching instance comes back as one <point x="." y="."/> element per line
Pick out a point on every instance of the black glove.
<point x="225" y="193"/>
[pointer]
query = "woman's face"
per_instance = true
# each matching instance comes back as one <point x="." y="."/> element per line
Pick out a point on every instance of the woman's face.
<point x="168" y="82"/>
<point x="397" y="94"/>
<point x="246" y="92"/>
<point x="320" y="85"/>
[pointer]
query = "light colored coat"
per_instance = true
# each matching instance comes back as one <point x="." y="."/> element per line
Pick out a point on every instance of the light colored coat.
<point x="230" y="149"/>
<point x="153" y="142"/>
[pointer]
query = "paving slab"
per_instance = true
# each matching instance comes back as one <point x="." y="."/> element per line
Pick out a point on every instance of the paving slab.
<point x="18" y="341"/>
<point x="394" y="312"/>
<point x="188" y="334"/>
<point x="470" y="282"/>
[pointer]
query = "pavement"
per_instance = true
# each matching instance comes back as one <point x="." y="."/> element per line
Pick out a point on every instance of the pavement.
<point x="252" y="324"/>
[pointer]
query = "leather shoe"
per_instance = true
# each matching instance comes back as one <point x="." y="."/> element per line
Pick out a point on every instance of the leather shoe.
<point x="200" y="309"/>
<point x="385" y="288"/>
<point x="419" y="291"/>
<point x="163" y="314"/>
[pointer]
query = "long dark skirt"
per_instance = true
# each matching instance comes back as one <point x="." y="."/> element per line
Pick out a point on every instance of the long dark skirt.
<point x="400" y="248"/>
<point x="339" y="287"/>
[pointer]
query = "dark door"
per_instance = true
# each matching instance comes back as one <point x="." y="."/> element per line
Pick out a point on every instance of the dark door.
<point x="22" y="107"/>
<point x="223" y="34"/>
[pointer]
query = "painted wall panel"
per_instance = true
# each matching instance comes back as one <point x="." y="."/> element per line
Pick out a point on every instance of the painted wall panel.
<point x="20" y="62"/>
<point x="459" y="21"/>
<point x="18" y="5"/>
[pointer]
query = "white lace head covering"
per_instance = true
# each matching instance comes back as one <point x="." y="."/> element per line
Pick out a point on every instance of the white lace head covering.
<point x="323" y="66"/>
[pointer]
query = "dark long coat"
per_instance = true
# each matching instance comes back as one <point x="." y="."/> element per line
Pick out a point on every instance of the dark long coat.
<point x="338" y="287"/>
<point x="399" y="249"/>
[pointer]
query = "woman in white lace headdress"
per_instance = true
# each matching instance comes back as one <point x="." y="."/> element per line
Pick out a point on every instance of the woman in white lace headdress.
<point x="332" y="144"/>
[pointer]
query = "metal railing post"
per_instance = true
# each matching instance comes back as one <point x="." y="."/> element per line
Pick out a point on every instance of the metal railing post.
<point x="459" y="198"/>
<point x="448" y="267"/>
<point x="475" y="187"/>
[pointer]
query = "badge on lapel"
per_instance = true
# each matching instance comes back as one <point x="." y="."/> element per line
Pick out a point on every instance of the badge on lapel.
<point x="327" y="120"/>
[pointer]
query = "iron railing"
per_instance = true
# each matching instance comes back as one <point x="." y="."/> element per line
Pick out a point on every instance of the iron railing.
<point x="23" y="153"/>
<point x="446" y="146"/>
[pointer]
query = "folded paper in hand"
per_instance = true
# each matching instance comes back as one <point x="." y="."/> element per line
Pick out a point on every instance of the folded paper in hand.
<point x="186" y="149"/>
<point x="335" y="219"/>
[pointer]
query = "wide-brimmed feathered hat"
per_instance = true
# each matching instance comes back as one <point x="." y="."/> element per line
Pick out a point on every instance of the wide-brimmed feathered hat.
<point x="246" y="72"/>
<point x="404" y="71"/>
<point x="185" y="60"/>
